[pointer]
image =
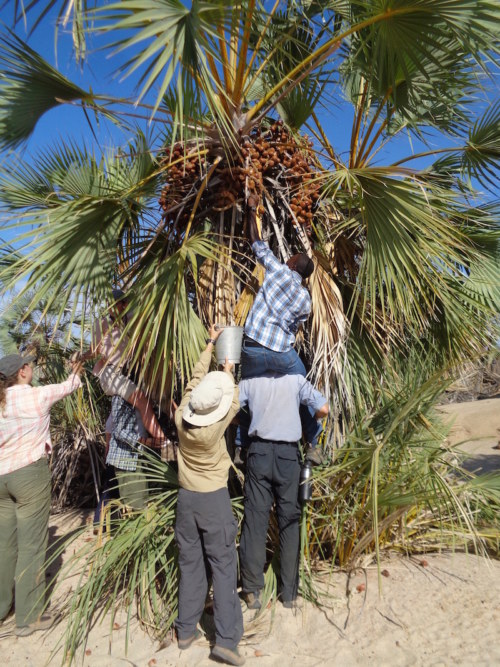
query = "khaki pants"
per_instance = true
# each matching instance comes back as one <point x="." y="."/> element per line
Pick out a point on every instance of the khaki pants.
<point x="133" y="486"/>
<point x="24" y="530"/>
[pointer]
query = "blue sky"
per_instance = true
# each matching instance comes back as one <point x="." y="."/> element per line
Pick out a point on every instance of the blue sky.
<point x="97" y="73"/>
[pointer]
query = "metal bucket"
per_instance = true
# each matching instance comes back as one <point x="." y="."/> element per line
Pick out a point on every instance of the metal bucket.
<point x="229" y="345"/>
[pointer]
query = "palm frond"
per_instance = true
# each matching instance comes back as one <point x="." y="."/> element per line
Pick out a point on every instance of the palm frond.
<point x="328" y="331"/>
<point x="409" y="244"/>
<point x="29" y="87"/>
<point x="177" y="39"/>
<point x="481" y="157"/>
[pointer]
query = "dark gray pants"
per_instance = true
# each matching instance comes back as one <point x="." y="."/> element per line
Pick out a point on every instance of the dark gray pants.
<point x="273" y="471"/>
<point x="206" y="529"/>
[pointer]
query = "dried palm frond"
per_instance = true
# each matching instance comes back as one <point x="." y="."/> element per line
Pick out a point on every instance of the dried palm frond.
<point x="328" y="329"/>
<point x="247" y="296"/>
<point x="216" y="292"/>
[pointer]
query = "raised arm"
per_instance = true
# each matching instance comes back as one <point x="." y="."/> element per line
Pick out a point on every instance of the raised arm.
<point x="253" y="230"/>
<point x="51" y="393"/>
<point x="201" y="368"/>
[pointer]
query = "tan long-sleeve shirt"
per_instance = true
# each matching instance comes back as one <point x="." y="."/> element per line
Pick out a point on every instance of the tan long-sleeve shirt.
<point x="202" y="457"/>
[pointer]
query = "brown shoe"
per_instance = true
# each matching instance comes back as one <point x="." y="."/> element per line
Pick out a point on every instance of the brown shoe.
<point x="227" y="655"/>
<point x="315" y="456"/>
<point x="183" y="644"/>
<point x="252" y="600"/>
<point x="45" y="622"/>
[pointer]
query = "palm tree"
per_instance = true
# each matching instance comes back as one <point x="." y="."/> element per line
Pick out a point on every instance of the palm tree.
<point x="403" y="254"/>
<point x="243" y="99"/>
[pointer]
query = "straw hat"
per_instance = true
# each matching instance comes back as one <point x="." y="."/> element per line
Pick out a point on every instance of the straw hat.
<point x="210" y="400"/>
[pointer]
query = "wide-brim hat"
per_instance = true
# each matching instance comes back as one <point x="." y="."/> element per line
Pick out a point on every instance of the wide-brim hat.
<point x="10" y="364"/>
<point x="210" y="400"/>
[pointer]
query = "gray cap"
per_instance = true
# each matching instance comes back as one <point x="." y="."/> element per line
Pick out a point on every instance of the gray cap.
<point x="10" y="364"/>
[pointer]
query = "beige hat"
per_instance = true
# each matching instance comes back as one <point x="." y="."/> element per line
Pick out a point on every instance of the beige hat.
<point x="210" y="400"/>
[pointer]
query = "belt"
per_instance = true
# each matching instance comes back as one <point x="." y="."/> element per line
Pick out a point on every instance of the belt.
<point x="275" y="442"/>
<point x="249" y="342"/>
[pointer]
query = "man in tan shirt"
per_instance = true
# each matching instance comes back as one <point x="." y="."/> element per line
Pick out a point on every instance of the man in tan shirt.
<point x="205" y="528"/>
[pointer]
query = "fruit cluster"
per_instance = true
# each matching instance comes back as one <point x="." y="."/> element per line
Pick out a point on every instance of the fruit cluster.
<point x="269" y="163"/>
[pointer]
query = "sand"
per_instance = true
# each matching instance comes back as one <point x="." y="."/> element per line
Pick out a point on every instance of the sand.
<point x="431" y="610"/>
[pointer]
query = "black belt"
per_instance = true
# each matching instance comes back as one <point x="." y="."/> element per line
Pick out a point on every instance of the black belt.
<point x="276" y="442"/>
<point x="250" y="342"/>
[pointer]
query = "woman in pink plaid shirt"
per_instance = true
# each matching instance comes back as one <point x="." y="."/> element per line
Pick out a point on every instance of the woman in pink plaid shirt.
<point x="25" y="489"/>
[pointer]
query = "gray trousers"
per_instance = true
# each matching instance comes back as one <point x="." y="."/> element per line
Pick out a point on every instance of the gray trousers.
<point x="273" y="472"/>
<point x="24" y="531"/>
<point x="205" y="532"/>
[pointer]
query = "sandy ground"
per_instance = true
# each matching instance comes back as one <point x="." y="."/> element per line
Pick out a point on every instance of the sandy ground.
<point x="433" y="610"/>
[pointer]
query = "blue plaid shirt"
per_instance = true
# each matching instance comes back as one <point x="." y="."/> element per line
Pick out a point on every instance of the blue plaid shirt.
<point x="281" y="304"/>
<point x="127" y="428"/>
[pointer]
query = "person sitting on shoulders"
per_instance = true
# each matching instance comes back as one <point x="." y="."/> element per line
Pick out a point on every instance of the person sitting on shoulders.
<point x="282" y="304"/>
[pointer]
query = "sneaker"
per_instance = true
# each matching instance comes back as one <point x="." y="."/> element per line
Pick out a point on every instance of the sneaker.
<point x="227" y="655"/>
<point x="252" y="600"/>
<point x="315" y="456"/>
<point x="45" y="622"/>
<point x="183" y="644"/>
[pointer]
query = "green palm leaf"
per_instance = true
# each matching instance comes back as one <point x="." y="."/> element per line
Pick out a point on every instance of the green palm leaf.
<point x="177" y="38"/>
<point x="481" y="157"/>
<point x="29" y="87"/>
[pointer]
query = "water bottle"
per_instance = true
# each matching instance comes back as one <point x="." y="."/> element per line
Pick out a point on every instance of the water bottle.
<point x="305" y="484"/>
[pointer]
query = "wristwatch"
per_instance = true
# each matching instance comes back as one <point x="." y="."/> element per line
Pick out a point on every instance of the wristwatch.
<point x="210" y="340"/>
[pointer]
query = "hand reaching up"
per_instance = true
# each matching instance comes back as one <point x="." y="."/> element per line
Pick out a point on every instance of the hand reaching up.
<point x="215" y="331"/>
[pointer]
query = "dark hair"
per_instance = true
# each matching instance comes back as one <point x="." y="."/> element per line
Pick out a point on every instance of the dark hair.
<point x="5" y="383"/>
<point x="303" y="265"/>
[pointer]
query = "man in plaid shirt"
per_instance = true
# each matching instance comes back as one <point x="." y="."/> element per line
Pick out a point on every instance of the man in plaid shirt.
<point x="281" y="305"/>
<point x="128" y="438"/>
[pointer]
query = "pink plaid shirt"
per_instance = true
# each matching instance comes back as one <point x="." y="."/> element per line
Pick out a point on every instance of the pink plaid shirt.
<point x="25" y="421"/>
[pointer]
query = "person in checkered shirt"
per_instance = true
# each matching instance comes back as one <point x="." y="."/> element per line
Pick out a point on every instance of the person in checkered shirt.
<point x="282" y="304"/>
<point x="25" y="489"/>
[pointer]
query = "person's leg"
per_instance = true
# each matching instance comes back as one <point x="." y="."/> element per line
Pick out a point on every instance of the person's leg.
<point x="258" y="502"/>
<point x="311" y="427"/>
<point x="253" y="360"/>
<point x="257" y="360"/>
<point x="30" y="486"/>
<point x="133" y="486"/>
<point x="105" y="495"/>
<point x="286" y="485"/>
<point x="218" y="530"/>
<point x="193" y="580"/>
<point x="8" y="547"/>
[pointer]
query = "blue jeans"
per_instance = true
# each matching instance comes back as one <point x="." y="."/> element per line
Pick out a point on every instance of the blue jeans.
<point x="257" y="360"/>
